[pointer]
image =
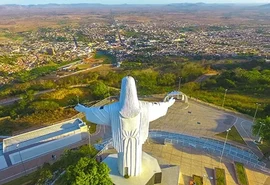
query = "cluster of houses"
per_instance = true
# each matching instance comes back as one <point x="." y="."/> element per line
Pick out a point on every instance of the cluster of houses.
<point x="126" y="41"/>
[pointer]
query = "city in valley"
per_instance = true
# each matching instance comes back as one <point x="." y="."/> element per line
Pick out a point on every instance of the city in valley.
<point x="177" y="93"/>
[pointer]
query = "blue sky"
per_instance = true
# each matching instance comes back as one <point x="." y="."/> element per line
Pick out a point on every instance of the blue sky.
<point x="127" y="1"/>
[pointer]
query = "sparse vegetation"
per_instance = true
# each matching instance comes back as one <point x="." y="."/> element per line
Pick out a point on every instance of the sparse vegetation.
<point x="262" y="127"/>
<point x="241" y="174"/>
<point x="265" y="148"/>
<point x="151" y="79"/>
<point x="91" y="126"/>
<point x="198" y="179"/>
<point x="220" y="176"/>
<point x="233" y="135"/>
<point x="25" y="76"/>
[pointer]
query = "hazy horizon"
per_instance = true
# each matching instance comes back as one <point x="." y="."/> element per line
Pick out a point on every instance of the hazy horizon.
<point x="109" y="2"/>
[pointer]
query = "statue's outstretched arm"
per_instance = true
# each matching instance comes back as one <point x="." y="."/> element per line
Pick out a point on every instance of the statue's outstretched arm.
<point x="159" y="109"/>
<point x="97" y="115"/>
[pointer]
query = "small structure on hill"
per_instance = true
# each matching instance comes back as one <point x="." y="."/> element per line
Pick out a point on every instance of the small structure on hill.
<point x="178" y="95"/>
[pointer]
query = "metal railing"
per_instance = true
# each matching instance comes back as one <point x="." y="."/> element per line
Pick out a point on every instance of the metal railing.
<point x="212" y="147"/>
<point x="101" y="147"/>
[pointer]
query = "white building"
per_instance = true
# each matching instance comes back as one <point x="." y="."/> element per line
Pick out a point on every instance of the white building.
<point x="39" y="142"/>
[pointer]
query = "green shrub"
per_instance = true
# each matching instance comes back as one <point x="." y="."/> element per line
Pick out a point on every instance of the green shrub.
<point x="198" y="180"/>
<point x="220" y="176"/>
<point x="241" y="173"/>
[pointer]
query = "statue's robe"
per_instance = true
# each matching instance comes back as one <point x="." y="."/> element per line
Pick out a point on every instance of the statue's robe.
<point x="128" y="133"/>
<point x="129" y="120"/>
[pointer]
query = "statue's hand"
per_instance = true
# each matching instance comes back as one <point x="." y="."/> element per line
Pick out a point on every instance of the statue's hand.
<point x="171" y="101"/>
<point x="79" y="108"/>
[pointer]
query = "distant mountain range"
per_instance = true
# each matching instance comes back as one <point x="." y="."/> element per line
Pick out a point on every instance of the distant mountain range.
<point x="266" y="5"/>
<point x="99" y="4"/>
<point x="169" y="6"/>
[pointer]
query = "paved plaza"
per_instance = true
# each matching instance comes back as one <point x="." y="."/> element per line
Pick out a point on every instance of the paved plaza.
<point x="198" y="163"/>
<point x="184" y="118"/>
<point x="200" y="119"/>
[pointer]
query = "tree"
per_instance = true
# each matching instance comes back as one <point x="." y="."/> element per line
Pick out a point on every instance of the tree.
<point x="262" y="127"/>
<point x="13" y="114"/>
<point x="99" y="90"/>
<point x="191" y="86"/>
<point x="28" y="96"/>
<point x="209" y="83"/>
<point x="146" y="81"/>
<point x="166" y="79"/>
<point x="44" y="174"/>
<point x="113" y="79"/>
<point x="40" y="106"/>
<point x="71" y="157"/>
<point x="190" y="71"/>
<point x="266" y="110"/>
<point x="87" y="172"/>
<point x="229" y="84"/>
<point x="1" y="111"/>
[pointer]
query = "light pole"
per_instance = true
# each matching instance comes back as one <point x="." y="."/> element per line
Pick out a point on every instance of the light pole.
<point x="89" y="140"/>
<point x="224" y="146"/>
<point x="209" y="177"/>
<point x="256" y="112"/>
<point x="224" y="97"/>
<point x="259" y="140"/>
<point x="179" y="83"/>
<point x="17" y="146"/>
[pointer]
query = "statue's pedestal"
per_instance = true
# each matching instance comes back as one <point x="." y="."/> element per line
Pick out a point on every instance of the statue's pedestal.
<point x="150" y="175"/>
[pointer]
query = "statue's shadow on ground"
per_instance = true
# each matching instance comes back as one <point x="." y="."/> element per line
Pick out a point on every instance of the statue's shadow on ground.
<point x="224" y="123"/>
<point x="67" y="125"/>
<point x="162" y="166"/>
<point x="193" y="150"/>
<point x="113" y="161"/>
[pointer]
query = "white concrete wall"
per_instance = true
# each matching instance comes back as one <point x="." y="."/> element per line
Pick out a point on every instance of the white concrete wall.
<point x="3" y="163"/>
<point x="39" y="150"/>
<point x="41" y="139"/>
<point x="40" y="135"/>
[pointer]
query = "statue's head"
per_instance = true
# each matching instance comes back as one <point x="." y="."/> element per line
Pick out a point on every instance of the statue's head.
<point x="129" y="103"/>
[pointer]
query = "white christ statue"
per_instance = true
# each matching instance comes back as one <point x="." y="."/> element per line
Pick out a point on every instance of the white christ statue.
<point x="129" y="120"/>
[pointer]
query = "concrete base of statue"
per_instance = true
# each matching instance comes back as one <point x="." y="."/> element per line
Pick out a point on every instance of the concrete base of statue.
<point x="150" y="175"/>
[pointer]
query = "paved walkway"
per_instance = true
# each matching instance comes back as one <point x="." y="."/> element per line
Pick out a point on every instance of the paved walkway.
<point x="197" y="163"/>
